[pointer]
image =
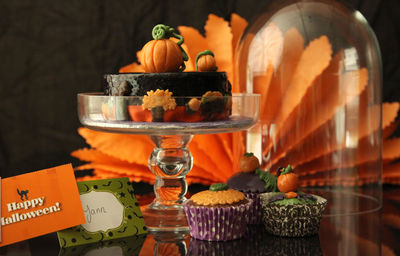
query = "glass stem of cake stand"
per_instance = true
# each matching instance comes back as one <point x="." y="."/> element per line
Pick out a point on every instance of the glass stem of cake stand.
<point x="170" y="161"/>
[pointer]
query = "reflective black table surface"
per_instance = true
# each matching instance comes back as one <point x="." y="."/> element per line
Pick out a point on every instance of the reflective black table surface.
<point x="333" y="239"/>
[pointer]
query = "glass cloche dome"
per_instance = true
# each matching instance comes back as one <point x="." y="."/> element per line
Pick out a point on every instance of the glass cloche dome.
<point x="317" y="65"/>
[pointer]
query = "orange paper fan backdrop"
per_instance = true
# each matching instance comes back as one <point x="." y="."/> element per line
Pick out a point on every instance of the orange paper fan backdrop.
<point x="290" y="71"/>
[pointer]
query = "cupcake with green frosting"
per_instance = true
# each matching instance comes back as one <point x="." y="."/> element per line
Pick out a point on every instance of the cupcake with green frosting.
<point x="253" y="181"/>
<point x="290" y="212"/>
<point x="217" y="214"/>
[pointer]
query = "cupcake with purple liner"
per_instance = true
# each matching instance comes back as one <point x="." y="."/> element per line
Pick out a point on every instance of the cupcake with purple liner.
<point x="206" y="248"/>
<point x="217" y="214"/>
<point x="291" y="213"/>
<point x="252" y="182"/>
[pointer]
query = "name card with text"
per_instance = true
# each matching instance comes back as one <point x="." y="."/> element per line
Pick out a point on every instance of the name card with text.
<point x="111" y="211"/>
<point x="38" y="203"/>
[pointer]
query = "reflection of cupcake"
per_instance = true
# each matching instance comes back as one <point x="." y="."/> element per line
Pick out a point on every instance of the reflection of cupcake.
<point x="205" y="248"/>
<point x="305" y="246"/>
<point x="252" y="181"/>
<point x="217" y="214"/>
<point x="290" y="212"/>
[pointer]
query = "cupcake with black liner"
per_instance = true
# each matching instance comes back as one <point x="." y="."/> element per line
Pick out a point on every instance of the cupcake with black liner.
<point x="217" y="214"/>
<point x="252" y="181"/>
<point x="304" y="246"/>
<point x="290" y="212"/>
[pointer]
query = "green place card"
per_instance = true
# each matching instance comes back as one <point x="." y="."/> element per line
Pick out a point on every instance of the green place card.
<point x="111" y="212"/>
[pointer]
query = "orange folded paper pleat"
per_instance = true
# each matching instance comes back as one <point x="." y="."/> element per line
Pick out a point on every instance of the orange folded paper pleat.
<point x="219" y="39"/>
<point x="313" y="61"/>
<point x="194" y="41"/>
<point x="276" y="85"/>
<point x="321" y="155"/>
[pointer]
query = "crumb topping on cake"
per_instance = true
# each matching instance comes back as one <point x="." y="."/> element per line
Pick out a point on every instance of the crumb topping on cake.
<point x="194" y="104"/>
<point x="212" y="94"/>
<point x="222" y="197"/>
<point x="159" y="98"/>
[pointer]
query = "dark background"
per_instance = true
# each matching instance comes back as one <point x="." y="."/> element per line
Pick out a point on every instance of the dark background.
<point x="52" y="50"/>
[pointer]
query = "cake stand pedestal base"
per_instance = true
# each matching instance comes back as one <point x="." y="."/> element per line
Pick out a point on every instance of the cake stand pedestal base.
<point x="165" y="220"/>
<point x="170" y="161"/>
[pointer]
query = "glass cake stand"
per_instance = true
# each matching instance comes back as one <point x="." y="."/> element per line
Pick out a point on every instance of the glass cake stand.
<point x="171" y="159"/>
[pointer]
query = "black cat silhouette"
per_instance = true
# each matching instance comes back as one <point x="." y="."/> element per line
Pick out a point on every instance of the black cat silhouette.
<point x="23" y="193"/>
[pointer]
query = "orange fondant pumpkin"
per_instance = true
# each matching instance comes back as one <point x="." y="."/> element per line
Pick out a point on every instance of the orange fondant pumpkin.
<point x="162" y="55"/>
<point x="288" y="181"/>
<point x="248" y="162"/>
<point x="291" y="194"/>
<point x="205" y="61"/>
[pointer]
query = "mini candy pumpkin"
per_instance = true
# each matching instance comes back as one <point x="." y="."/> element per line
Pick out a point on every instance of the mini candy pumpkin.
<point x="291" y="194"/>
<point x="205" y="61"/>
<point x="162" y="54"/>
<point x="288" y="181"/>
<point x="248" y="162"/>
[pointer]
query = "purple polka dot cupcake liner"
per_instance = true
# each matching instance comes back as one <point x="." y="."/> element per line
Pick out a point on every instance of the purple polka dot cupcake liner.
<point x="217" y="223"/>
<point x="255" y="211"/>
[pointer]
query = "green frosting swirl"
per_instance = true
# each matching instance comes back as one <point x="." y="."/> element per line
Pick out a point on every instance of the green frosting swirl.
<point x="269" y="179"/>
<point x="162" y="31"/>
<point x="218" y="187"/>
<point x="291" y="201"/>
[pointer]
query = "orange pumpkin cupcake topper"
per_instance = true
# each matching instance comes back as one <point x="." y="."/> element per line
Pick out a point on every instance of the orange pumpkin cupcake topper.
<point x="249" y="162"/>
<point x="205" y="61"/>
<point x="162" y="54"/>
<point x="288" y="181"/>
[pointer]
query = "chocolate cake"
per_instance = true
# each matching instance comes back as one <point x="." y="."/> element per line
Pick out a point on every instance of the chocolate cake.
<point x="206" y="96"/>
<point x="179" y="83"/>
<point x="166" y="94"/>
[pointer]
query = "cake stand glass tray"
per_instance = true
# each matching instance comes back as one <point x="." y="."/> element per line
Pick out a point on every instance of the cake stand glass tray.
<point x="171" y="159"/>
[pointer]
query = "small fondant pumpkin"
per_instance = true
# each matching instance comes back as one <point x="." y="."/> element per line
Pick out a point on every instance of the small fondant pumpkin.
<point x="288" y="181"/>
<point x="291" y="194"/>
<point x="248" y="162"/>
<point x="205" y="61"/>
<point x="162" y="54"/>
